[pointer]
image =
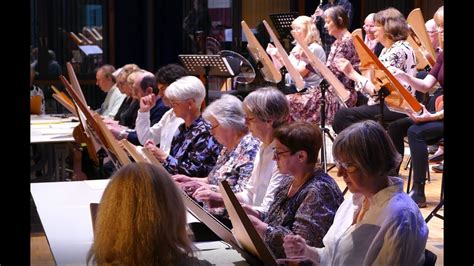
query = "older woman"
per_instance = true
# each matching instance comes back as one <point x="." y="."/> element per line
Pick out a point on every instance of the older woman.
<point x="142" y="197"/>
<point x="265" y="110"/>
<point x="235" y="163"/>
<point x="391" y="30"/>
<point x="306" y="201"/>
<point x="193" y="150"/>
<point x="378" y="224"/>
<point x="157" y="132"/>
<point x="306" y="107"/>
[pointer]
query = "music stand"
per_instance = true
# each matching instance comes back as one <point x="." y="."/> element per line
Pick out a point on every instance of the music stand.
<point x="282" y="23"/>
<point x="207" y="65"/>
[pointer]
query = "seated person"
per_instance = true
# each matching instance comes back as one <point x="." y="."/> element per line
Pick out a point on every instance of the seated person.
<point x="378" y="224"/>
<point x="235" y="162"/>
<point x="143" y="85"/>
<point x="193" y="150"/>
<point x="133" y="225"/>
<point x="106" y="82"/>
<point x="391" y="30"/>
<point x="306" y="29"/>
<point x="265" y="109"/>
<point x="307" y="199"/>
<point x="163" y="131"/>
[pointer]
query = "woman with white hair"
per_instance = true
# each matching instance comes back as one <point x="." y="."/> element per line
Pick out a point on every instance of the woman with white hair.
<point x="265" y="110"/>
<point x="193" y="150"/>
<point x="235" y="162"/>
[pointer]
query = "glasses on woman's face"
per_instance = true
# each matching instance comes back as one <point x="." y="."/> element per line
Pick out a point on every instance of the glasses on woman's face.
<point x="276" y="154"/>
<point x="347" y="167"/>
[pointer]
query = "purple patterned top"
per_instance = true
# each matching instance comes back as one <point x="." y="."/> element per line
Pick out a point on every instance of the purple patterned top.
<point x="309" y="213"/>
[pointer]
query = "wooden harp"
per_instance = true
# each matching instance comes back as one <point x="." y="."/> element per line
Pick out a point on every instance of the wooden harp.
<point x="399" y="100"/>
<point x="338" y="88"/>
<point x="243" y="228"/>
<point x="295" y="75"/>
<point x="62" y="98"/>
<point x="357" y="32"/>
<point x="258" y="53"/>
<point x="419" y="40"/>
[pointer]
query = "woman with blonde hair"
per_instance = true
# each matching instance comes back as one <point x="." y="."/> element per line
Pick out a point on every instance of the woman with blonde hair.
<point x="133" y="225"/>
<point x="305" y="29"/>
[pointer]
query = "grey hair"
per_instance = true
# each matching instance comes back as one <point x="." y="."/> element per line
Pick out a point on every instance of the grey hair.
<point x="187" y="87"/>
<point x="228" y="112"/>
<point x="369" y="147"/>
<point x="268" y="103"/>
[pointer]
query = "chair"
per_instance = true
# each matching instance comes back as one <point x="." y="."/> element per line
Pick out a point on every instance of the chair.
<point x="430" y="258"/>
<point x="440" y="142"/>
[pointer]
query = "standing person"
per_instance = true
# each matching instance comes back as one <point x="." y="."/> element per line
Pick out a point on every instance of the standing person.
<point x="193" y="150"/>
<point x="307" y="199"/>
<point x="106" y="82"/>
<point x="378" y="224"/>
<point x="265" y="109"/>
<point x="391" y="30"/>
<point x="133" y="225"/>
<point x="318" y="18"/>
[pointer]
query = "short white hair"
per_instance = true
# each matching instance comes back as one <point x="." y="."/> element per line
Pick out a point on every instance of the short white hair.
<point x="228" y="111"/>
<point x="187" y="87"/>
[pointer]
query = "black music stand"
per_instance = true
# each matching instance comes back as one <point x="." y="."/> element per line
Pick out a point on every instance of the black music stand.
<point x="207" y="65"/>
<point x="282" y="23"/>
<point x="324" y="85"/>
<point x="381" y="94"/>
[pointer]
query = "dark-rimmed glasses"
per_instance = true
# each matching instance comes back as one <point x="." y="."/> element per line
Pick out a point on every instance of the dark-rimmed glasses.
<point x="276" y="154"/>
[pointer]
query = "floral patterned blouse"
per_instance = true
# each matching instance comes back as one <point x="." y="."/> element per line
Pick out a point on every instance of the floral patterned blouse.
<point x="309" y="213"/>
<point x="193" y="151"/>
<point x="306" y="106"/>
<point x="235" y="166"/>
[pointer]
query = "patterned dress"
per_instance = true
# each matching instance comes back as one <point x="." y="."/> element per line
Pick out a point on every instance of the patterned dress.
<point x="194" y="150"/>
<point x="306" y="106"/>
<point x="235" y="166"/>
<point x="309" y="213"/>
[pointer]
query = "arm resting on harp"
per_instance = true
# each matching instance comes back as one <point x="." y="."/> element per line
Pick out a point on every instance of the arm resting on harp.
<point x="362" y="83"/>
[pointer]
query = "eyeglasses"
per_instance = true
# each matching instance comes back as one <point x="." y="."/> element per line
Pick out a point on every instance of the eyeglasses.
<point x="214" y="127"/>
<point x="346" y="167"/>
<point x="276" y="154"/>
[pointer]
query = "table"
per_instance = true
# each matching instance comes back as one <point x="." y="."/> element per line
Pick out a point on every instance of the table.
<point x="49" y="136"/>
<point x="63" y="208"/>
